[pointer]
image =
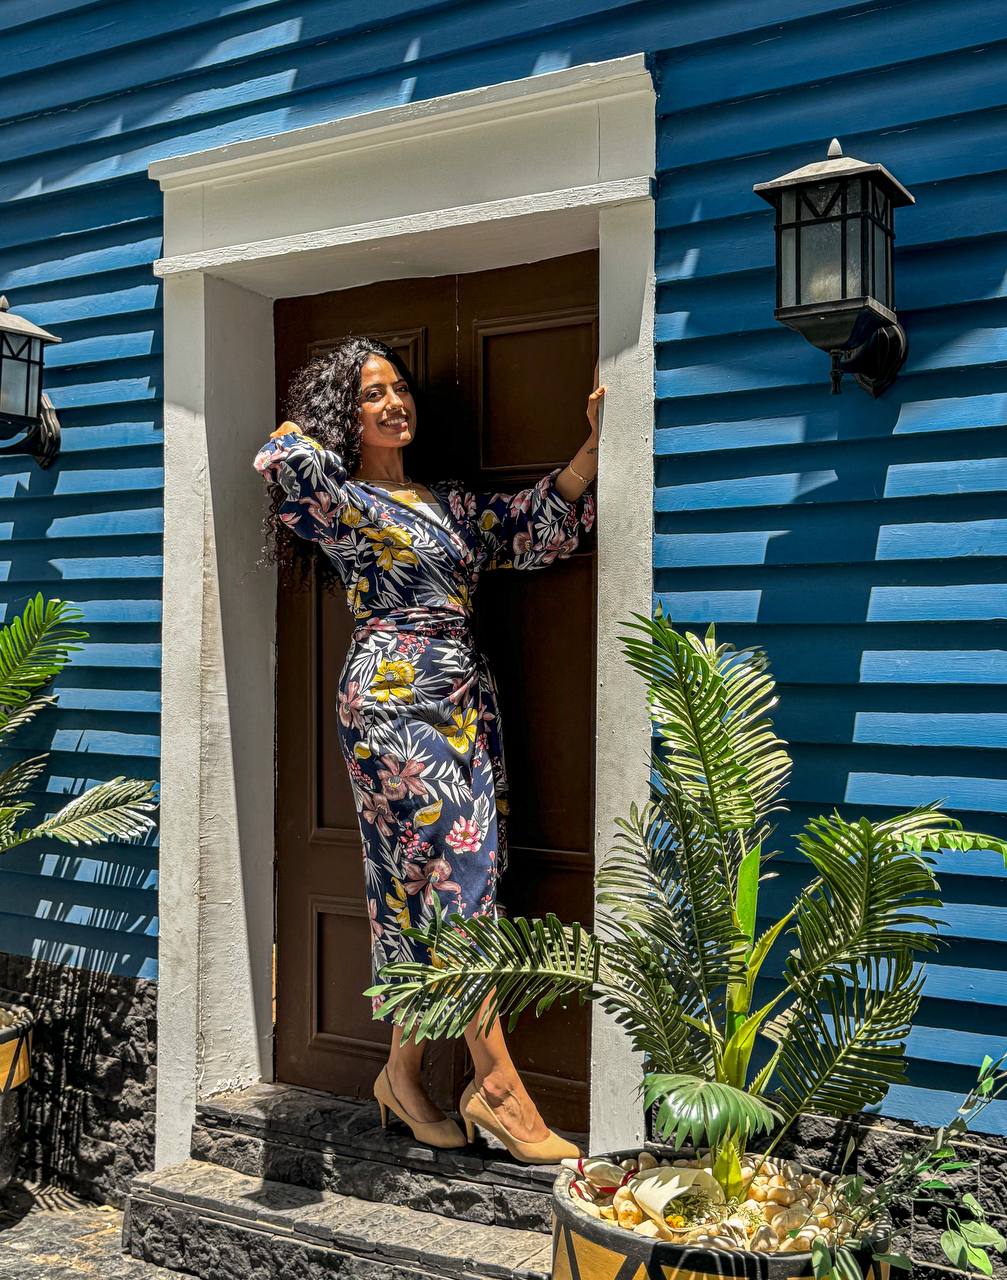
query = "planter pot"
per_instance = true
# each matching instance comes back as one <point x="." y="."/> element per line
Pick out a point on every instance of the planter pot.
<point x="588" y="1248"/>
<point x="15" y="1065"/>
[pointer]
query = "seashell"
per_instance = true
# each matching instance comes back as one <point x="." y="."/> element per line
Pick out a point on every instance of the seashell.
<point x="737" y="1224"/>
<point x="763" y="1240"/>
<point x="600" y="1173"/>
<point x="646" y="1160"/>
<point x="629" y="1216"/>
<point x="655" y="1189"/>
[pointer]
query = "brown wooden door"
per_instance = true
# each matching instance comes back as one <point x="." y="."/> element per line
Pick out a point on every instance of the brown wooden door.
<point x="505" y="362"/>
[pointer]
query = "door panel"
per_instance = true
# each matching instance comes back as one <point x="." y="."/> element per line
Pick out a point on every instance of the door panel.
<point x="504" y="361"/>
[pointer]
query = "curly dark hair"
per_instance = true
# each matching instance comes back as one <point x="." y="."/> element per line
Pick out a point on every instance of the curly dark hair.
<point x="323" y="398"/>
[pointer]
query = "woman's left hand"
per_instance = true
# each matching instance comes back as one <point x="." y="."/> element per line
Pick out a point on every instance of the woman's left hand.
<point x="594" y="407"/>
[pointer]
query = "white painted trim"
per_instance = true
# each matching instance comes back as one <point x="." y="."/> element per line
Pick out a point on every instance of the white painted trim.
<point x="590" y="82"/>
<point x="552" y="164"/>
<point x="601" y="195"/>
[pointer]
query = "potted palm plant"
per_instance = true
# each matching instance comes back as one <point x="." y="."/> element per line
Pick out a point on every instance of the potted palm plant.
<point x="731" y="1062"/>
<point x="34" y="648"/>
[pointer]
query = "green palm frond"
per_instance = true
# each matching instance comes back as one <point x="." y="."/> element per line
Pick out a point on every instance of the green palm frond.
<point x="710" y="704"/>
<point x="664" y="876"/>
<point x="843" y="1049"/>
<point x="508" y="964"/>
<point x="14" y="720"/>
<point x="704" y="1113"/>
<point x="633" y="882"/>
<point x="871" y="899"/>
<point x="34" y="648"/>
<point x="700" y="892"/>
<point x="664" y="1022"/>
<point x="114" y="810"/>
<point x="19" y="776"/>
<point x="928" y="828"/>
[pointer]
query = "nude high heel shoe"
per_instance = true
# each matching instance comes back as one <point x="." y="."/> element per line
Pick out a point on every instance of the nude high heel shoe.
<point x="435" y="1133"/>
<point x="475" y="1110"/>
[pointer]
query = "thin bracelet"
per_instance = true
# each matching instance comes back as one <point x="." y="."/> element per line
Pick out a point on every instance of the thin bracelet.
<point x="582" y="479"/>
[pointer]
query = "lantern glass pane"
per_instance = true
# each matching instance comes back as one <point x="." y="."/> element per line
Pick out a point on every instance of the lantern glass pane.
<point x="788" y="205"/>
<point x="820" y="200"/>
<point x="33" y="404"/>
<point x="880" y="266"/>
<point x="821" y="270"/>
<point x="853" y="196"/>
<point x="854" y="284"/>
<point x="36" y="348"/>
<point x="13" y="386"/>
<point x="788" y="268"/>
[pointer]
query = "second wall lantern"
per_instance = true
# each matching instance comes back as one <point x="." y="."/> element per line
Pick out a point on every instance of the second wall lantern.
<point x="835" y="279"/>
<point x="25" y="409"/>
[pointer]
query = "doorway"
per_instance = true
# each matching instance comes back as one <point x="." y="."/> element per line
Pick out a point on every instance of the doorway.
<point x="504" y="361"/>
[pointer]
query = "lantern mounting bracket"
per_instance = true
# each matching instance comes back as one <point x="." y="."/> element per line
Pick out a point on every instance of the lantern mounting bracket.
<point x="42" y="439"/>
<point x="874" y="362"/>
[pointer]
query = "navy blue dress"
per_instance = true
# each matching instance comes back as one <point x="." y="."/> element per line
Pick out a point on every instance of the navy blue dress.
<point x="419" y="726"/>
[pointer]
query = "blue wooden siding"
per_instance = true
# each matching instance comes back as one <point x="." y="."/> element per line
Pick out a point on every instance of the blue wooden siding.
<point x="861" y="542"/>
<point x="864" y="544"/>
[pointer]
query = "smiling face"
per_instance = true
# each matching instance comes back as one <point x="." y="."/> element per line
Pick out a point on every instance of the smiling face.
<point x="387" y="408"/>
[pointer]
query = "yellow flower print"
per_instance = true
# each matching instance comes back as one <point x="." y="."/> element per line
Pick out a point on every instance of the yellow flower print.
<point x="503" y="805"/>
<point x="393" y="680"/>
<point x="429" y="815"/>
<point x="398" y="903"/>
<point x="351" y="516"/>
<point x="463" y="599"/>
<point x="462" y="731"/>
<point x="395" y="545"/>
<point x="355" y="598"/>
<point x="488" y="519"/>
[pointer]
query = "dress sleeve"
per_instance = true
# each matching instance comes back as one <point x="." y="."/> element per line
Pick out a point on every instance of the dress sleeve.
<point x="312" y="478"/>
<point x="531" y="529"/>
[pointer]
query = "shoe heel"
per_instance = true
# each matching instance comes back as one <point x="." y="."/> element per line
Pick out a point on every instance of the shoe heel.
<point x="383" y="1109"/>
<point x="470" y="1129"/>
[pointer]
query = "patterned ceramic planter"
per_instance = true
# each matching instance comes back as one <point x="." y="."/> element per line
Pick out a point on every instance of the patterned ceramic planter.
<point x="586" y="1248"/>
<point x="15" y="1064"/>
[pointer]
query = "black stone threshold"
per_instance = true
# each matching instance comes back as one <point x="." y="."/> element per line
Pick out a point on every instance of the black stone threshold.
<point x="303" y="1137"/>
<point x="217" y="1224"/>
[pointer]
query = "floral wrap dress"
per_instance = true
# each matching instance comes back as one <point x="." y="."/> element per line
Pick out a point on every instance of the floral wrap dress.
<point x="419" y="725"/>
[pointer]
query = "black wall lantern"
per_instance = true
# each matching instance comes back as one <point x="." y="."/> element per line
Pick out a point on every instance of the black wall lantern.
<point x="24" y="408"/>
<point x="834" y="276"/>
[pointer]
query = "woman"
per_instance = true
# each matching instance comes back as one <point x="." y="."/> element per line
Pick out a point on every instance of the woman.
<point x="418" y="721"/>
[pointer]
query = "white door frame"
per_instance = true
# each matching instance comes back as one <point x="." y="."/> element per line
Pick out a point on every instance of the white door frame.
<point x="516" y="172"/>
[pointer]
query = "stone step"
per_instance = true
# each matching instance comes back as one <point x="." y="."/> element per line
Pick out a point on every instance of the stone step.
<point x="217" y="1224"/>
<point x="312" y="1139"/>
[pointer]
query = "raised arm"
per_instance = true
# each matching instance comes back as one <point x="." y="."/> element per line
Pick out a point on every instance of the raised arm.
<point x="531" y="529"/>
<point x="311" y="478"/>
